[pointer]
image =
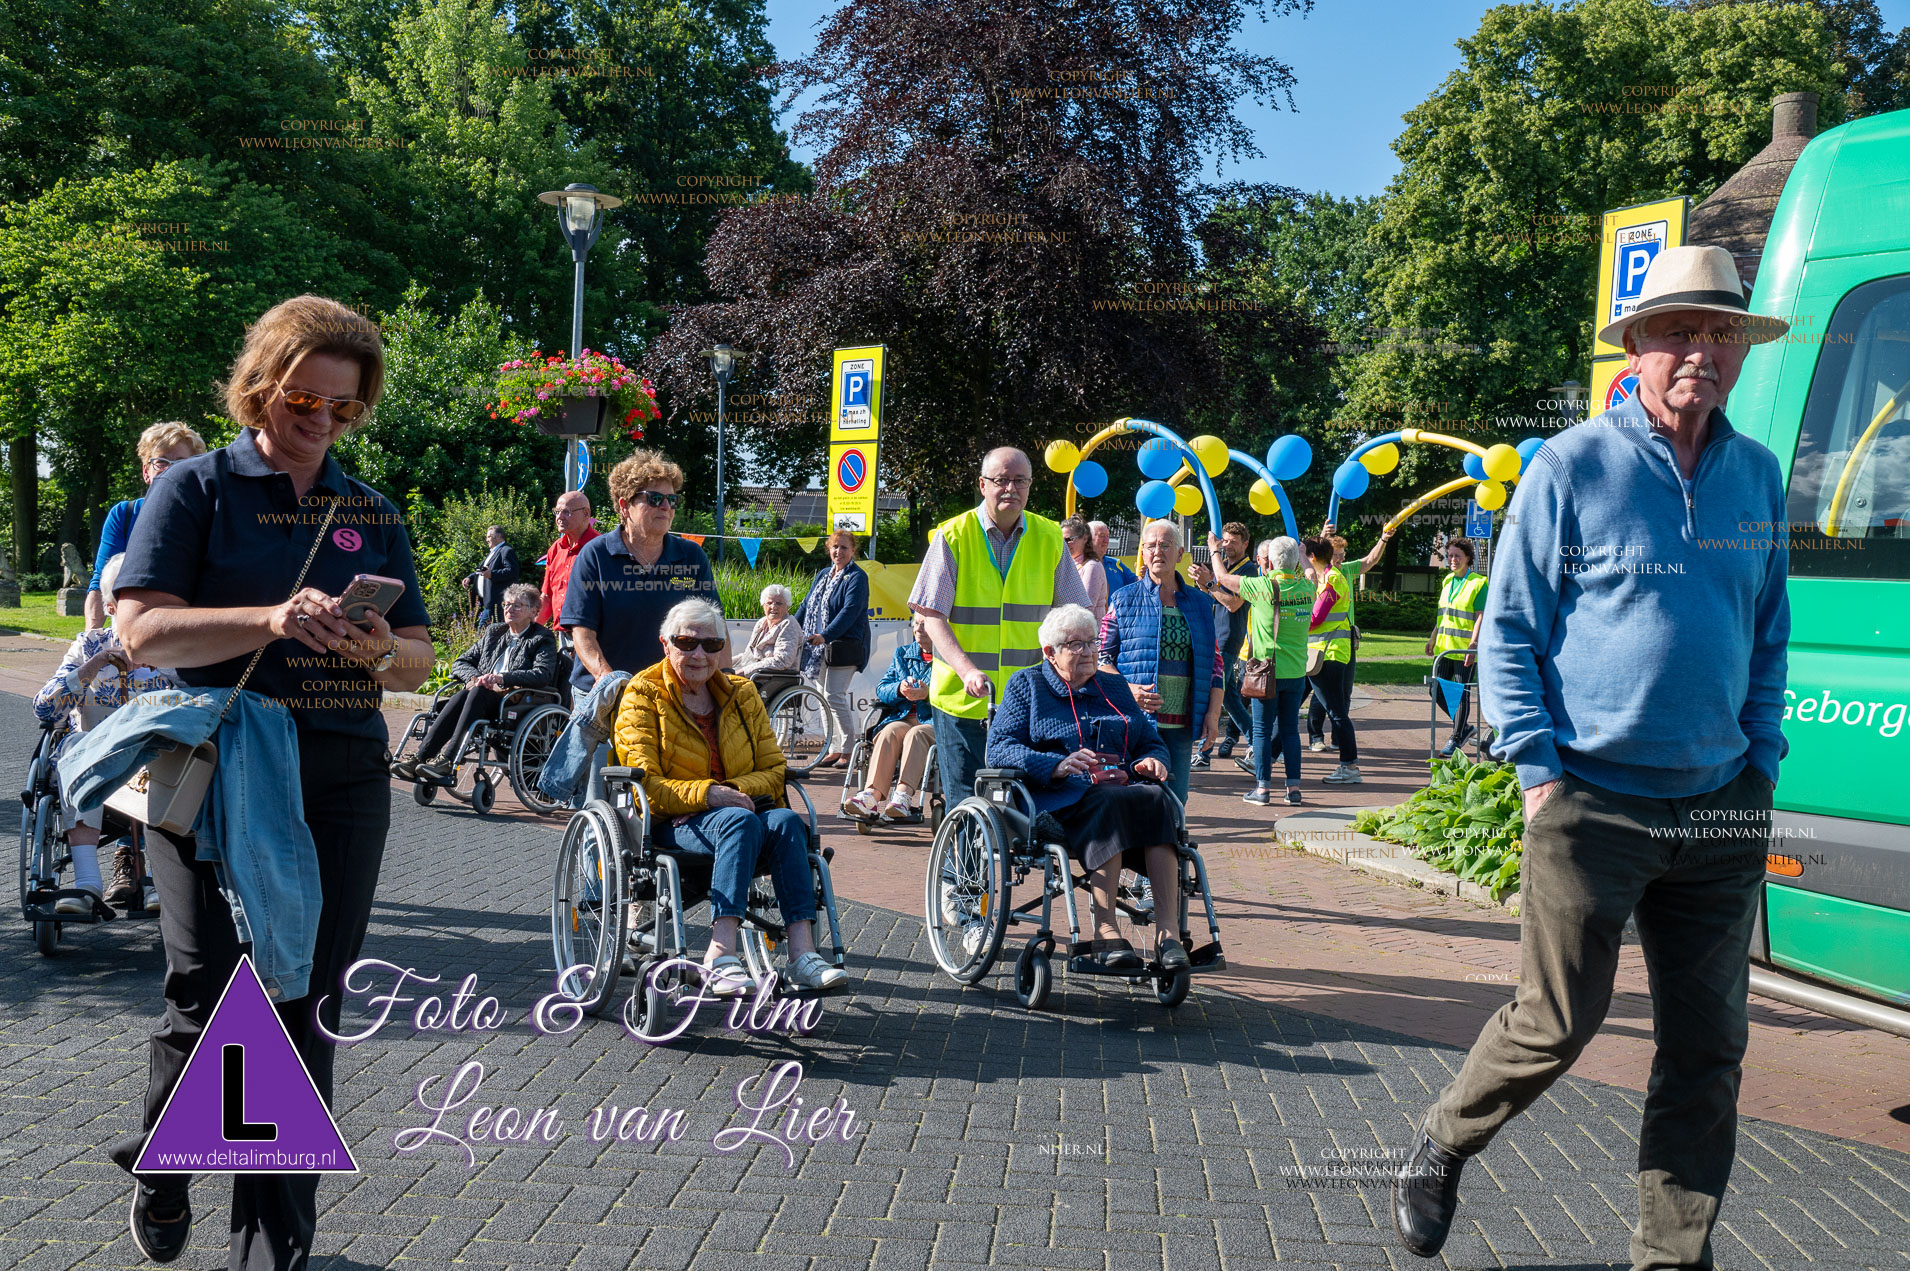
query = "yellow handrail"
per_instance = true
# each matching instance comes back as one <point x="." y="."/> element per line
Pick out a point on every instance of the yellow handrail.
<point x="1833" y="519"/>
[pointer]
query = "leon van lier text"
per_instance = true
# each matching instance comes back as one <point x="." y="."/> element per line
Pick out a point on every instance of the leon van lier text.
<point x="769" y="1107"/>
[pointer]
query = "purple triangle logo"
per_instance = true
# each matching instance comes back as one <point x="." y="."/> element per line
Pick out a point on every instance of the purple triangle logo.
<point x="245" y="1103"/>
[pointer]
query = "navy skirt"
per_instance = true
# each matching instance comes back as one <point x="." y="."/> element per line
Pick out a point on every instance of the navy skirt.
<point x="1110" y="821"/>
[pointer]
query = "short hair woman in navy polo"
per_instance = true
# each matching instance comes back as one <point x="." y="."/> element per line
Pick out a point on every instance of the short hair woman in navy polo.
<point x="205" y="583"/>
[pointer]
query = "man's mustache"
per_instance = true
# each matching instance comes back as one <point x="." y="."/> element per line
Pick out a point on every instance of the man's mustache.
<point x="1695" y="373"/>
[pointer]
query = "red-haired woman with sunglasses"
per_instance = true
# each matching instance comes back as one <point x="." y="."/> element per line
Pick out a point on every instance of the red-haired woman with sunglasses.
<point x="211" y="578"/>
<point x="710" y="761"/>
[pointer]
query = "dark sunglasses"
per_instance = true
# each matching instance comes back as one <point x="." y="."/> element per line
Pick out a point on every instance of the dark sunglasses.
<point x="302" y="403"/>
<point x="656" y="499"/>
<point x="687" y="644"/>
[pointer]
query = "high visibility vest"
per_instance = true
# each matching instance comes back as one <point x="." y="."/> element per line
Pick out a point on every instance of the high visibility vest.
<point x="1335" y="637"/>
<point x="1459" y="605"/>
<point x="996" y="620"/>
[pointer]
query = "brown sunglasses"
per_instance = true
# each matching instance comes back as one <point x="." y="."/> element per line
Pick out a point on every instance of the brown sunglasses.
<point x="688" y="644"/>
<point x="302" y="403"/>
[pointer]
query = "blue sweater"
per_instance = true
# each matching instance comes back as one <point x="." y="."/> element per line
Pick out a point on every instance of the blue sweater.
<point x="1035" y="729"/>
<point x="1131" y="640"/>
<point x="1634" y="634"/>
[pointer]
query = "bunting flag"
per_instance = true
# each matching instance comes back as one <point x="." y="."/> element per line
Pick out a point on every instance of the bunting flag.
<point x="695" y="538"/>
<point x="750" y="547"/>
<point x="807" y="544"/>
<point x="1454" y="692"/>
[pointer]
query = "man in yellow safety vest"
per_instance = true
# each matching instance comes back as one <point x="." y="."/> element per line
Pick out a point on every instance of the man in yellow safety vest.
<point x="1462" y="598"/>
<point x="989" y="578"/>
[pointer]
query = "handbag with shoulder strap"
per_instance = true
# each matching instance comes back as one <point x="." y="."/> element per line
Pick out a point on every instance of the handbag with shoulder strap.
<point x="1256" y="678"/>
<point x="169" y="791"/>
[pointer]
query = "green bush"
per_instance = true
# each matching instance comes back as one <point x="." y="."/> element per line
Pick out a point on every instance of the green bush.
<point x="451" y="638"/>
<point x="449" y="542"/>
<point x="1408" y="613"/>
<point x="1469" y="821"/>
<point x="740" y="586"/>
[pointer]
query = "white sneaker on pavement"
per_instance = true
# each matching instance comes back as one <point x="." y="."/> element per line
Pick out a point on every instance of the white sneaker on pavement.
<point x="1347" y="774"/>
<point x="813" y="971"/>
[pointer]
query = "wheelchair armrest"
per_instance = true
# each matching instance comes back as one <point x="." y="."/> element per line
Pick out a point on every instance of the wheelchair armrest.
<point x="999" y="774"/>
<point x="623" y="774"/>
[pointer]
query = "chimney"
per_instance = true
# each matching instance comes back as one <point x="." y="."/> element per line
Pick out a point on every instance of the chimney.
<point x="1794" y="115"/>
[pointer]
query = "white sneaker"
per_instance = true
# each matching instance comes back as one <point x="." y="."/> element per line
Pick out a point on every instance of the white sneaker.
<point x="1316" y="746"/>
<point x="860" y="806"/>
<point x="1347" y="774"/>
<point x="76" y="906"/>
<point x="896" y="810"/>
<point x="974" y="936"/>
<point x="812" y="971"/>
<point x="152" y="899"/>
<point x="729" y="977"/>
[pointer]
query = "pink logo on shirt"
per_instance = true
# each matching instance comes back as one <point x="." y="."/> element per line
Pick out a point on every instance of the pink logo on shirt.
<point x="348" y="540"/>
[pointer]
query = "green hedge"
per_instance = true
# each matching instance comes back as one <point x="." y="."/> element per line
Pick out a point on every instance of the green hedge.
<point x="1409" y="613"/>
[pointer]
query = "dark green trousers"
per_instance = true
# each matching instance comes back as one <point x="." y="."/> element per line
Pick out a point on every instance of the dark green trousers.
<point x="1690" y="870"/>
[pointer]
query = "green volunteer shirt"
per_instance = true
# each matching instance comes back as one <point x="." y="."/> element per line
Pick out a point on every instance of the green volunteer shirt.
<point x="1291" y="596"/>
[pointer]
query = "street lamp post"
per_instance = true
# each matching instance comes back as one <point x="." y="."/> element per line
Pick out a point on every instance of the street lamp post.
<point x="580" y="210"/>
<point x="723" y="361"/>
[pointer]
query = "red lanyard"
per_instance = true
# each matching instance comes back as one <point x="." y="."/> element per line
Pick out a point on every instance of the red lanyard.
<point x="1082" y="736"/>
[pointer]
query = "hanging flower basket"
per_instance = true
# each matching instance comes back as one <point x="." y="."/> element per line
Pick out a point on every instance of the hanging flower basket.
<point x="571" y="397"/>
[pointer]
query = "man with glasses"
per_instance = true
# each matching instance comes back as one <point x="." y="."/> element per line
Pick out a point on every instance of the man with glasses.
<point x="622" y="584"/>
<point x="990" y="577"/>
<point x="574" y="528"/>
<point x="160" y="447"/>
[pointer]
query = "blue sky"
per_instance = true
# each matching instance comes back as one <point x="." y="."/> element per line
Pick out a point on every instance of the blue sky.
<point x="1361" y="64"/>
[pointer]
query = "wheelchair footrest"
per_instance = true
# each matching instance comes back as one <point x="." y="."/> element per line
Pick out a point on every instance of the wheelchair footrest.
<point x="1207" y="957"/>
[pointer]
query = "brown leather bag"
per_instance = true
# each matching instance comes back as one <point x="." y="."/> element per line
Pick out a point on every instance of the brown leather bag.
<point x="1256" y="677"/>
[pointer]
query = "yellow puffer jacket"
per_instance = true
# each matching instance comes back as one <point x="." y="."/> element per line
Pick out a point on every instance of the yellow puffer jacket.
<point x="657" y="734"/>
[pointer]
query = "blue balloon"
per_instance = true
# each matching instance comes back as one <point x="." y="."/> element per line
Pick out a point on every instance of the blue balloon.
<point x="1159" y="458"/>
<point x="1528" y="448"/>
<point x="1090" y="479"/>
<point x="1475" y="467"/>
<point x="1350" y="479"/>
<point x="1289" y="458"/>
<point x="1155" y="499"/>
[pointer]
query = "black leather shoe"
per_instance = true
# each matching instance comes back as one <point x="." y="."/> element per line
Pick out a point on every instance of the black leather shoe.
<point x="1425" y="1193"/>
<point x="161" y="1220"/>
<point x="1171" y="955"/>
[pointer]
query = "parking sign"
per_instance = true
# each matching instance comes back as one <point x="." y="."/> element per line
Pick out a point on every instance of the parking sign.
<point x="855" y="433"/>
<point x="1632" y="239"/>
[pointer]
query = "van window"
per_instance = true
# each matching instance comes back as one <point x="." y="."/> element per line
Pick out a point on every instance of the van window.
<point x="1850" y="478"/>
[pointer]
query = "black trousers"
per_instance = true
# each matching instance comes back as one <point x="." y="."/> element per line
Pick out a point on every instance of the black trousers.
<point x="348" y="807"/>
<point x="461" y="710"/>
<point x="1333" y="693"/>
<point x="1315" y="708"/>
<point x="1458" y="672"/>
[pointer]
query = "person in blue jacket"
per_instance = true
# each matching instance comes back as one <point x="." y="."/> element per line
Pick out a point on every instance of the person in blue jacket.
<point x="836" y="615"/>
<point x="160" y="447"/>
<point x="904" y="733"/>
<point x="1159" y="637"/>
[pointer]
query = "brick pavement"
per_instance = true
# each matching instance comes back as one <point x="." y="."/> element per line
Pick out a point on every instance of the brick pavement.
<point x="1103" y="1132"/>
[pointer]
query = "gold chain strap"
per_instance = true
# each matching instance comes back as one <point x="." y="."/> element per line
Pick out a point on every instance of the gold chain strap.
<point x="305" y="569"/>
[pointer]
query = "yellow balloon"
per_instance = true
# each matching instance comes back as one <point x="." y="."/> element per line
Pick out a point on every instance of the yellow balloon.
<point x="1062" y="456"/>
<point x="1261" y="498"/>
<point x="1381" y="459"/>
<point x="1501" y="462"/>
<point x="1490" y="495"/>
<point x="1187" y="499"/>
<point x="1213" y="453"/>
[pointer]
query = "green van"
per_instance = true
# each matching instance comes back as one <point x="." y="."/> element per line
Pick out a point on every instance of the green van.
<point x="1832" y="399"/>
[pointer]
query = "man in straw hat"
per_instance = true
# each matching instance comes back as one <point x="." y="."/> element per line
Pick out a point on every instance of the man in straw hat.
<point x="1632" y="658"/>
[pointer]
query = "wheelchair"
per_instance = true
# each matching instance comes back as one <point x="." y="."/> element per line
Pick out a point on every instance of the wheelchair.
<point x="992" y="841"/>
<point x="857" y="777"/>
<point x="46" y="863"/>
<point x="619" y="902"/>
<point x="799" y="715"/>
<point x="515" y="745"/>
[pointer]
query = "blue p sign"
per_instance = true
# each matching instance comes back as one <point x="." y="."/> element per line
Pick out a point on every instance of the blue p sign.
<point x="1633" y="260"/>
<point x="855" y="388"/>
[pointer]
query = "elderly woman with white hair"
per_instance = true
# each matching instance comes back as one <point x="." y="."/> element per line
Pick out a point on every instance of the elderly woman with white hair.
<point x="775" y="644"/>
<point x="714" y="775"/>
<point x="1279" y="603"/>
<point x="1079" y="738"/>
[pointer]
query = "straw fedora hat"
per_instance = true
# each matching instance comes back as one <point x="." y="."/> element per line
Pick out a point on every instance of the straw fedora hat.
<point x="1703" y="278"/>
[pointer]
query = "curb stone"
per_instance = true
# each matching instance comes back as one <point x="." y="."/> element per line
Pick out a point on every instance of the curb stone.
<point x="1326" y="833"/>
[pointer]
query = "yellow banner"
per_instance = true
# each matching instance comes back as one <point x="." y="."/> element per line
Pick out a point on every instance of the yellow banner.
<point x="889" y="587"/>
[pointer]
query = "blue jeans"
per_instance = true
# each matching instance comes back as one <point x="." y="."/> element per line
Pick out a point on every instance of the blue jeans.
<point x="961" y="750"/>
<point x="739" y="844"/>
<point x="1180" y="757"/>
<point x="1277" y="718"/>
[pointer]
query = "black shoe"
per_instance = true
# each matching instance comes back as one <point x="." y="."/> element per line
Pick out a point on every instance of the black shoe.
<point x="1117" y="955"/>
<point x="1171" y="956"/>
<point x="161" y="1220"/>
<point x="442" y="774"/>
<point x="1425" y="1194"/>
<point x="405" y="770"/>
<point x="1201" y="759"/>
<point x="1226" y="748"/>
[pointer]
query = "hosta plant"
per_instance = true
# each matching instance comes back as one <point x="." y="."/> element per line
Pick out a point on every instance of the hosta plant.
<point x="1469" y="821"/>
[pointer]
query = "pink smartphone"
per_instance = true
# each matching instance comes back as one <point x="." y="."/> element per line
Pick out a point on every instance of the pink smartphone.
<point x="366" y="593"/>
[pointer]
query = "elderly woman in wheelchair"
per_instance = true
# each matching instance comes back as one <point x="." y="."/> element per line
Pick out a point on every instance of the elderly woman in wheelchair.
<point x="1077" y="772"/>
<point x="714" y="780"/>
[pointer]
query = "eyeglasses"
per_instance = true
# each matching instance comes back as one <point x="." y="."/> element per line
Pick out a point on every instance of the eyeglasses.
<point x="1011" y="483"/>
<point x="162" y="463"/>
<point x="688" y="644"/>
<point x="658" y="499"/>
<point x="516" y="604"/>
<point x="1075" y="646"/>
<point x="302" y="403"/>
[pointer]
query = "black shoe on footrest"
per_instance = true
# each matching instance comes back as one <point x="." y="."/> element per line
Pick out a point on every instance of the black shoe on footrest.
<point x="1425" y="1194"/>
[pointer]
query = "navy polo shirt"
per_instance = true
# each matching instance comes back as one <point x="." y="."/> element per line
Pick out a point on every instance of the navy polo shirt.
<point x="225" y="530"/>
<point x="624" y="603"/>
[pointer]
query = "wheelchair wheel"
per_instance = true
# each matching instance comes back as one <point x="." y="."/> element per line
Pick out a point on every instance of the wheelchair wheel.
<point x="967" y="891"/>
<point x="423" y="792"/>
<point x="29" y="838"/>
<point x="39" y="851"/>
<point x="937" y="812"/>
<point x="46" y="937"/>
<point x="530" y="751"/>
<point x="753" y="943"/>
<point x="804" y="727"/>
<point x="588" y="911"/>
<point x="483" y="795"/>
<point x="1172" y="989"/>
<point x="1034" y="976"/>
<point x="647" y="1013"/>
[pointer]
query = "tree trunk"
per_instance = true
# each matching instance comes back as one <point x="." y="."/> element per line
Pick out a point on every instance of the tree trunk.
<point x="23" y="455"/>
<point x="95" y="510"/>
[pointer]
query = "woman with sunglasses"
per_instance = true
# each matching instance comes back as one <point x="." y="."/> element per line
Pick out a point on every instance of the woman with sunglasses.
<point x="714" y="775"/>
<point x="1079" y="737"/>
<point x="209" y="580"/>
<point x="623" y="583"/>
<point x="160" y="447"/>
